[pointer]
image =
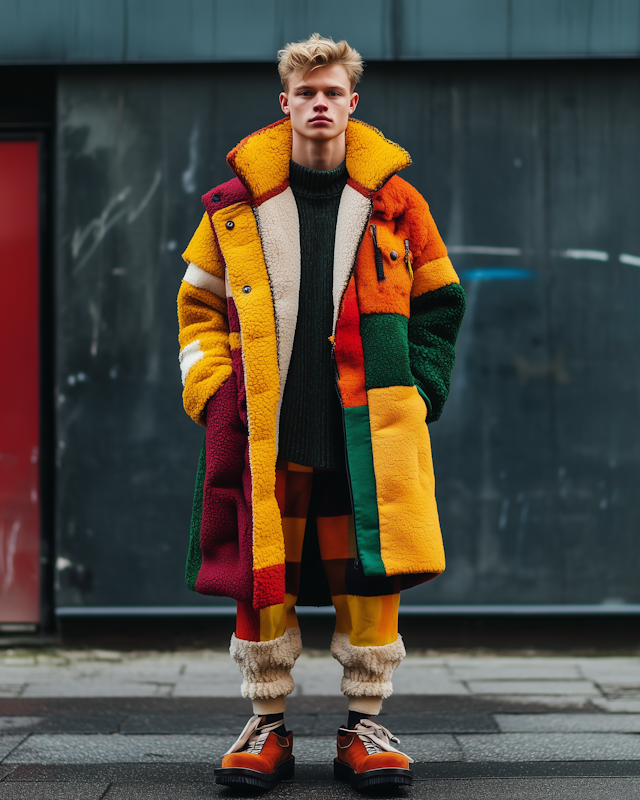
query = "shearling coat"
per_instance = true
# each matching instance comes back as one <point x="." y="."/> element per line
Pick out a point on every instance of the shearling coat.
<point x="397" y="309"/>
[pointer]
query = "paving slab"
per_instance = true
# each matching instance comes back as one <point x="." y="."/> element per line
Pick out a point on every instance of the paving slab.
<point x="546" y="702"/>
<point x="300" y="704"/>
<point x="301" y="724"/>
<point x="214" y="724"/>
<point x="550" y="747"/>
<point x="498" y="661"/>
<point x="97" y="688"/>
<point x="225" y="724"/>
<point x="206" y="689"/>
<point x="431" y="747"/>
<point x="11" y="690"/>
<point x="62" y="723"/>
<point x="101" y="749"/>
<point x="54" y="791"/>
<point x="82" y="723"/>
<point x="321" y="672"/>
<point x="501" y="789"/>
<point x="442" y="781"/>
<point x="549" y="669"/>
<point x="417" y="678"/>
<point x="614" y="706"/>
<point x="484" y="789"/>
<point x="213" y="674"/>
<point x="8" y="743"/>
<point x="568" y="723"/>
<point x="620" y="691"/>
<point x="525" y="769"/>
<point x="168" y="773"/>
<point x="528" y="789"/>
<point x="611" y="669"/>
<point x="322" y="724"/>
<point x="317" y="785"/>
<point x="439" y="723"/>
<point x="162" y="791"/>
<point x="19" y="723"/>
<point x="540" y="688"/>
<point x="190" y="748"/>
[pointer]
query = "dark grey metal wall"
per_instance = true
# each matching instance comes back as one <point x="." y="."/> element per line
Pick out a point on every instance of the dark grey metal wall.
<point x="531" y="173"/>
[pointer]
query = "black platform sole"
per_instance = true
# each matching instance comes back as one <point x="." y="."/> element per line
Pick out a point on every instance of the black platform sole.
<point x="372" y="777"/>
<point x="240" y="776"/>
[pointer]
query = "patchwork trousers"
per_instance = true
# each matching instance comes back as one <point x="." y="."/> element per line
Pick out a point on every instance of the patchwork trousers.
<point x="366" y="642"/>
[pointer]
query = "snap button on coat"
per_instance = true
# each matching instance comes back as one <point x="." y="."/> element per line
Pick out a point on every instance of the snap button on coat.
<point x="246" y="289"/>
<point x="231" y="224"/>
<point x="215" y="198"/>
<point x="393" y="255"/>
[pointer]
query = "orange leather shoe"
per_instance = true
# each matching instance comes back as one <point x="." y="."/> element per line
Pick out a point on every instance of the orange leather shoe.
<point x="367" y="758"/>
<point x="258" y="758"/>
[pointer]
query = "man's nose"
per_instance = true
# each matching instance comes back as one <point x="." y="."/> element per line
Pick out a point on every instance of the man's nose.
<point x="321" y="103"/>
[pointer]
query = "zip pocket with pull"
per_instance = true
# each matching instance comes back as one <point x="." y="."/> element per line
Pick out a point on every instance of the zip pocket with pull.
<point x="407" y="258"/>
<point x="378" y="253"/>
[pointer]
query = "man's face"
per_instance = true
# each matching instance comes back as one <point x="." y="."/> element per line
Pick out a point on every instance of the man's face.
<point x="320" y="104"/>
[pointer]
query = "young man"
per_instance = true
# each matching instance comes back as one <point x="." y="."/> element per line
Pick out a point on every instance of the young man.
<point x="317" y="268"/>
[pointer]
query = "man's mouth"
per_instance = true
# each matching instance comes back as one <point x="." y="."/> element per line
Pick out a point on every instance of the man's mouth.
<point x="320" y="118"/>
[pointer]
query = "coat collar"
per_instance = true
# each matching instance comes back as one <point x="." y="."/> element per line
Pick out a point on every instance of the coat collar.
<point x="261" y="160"/>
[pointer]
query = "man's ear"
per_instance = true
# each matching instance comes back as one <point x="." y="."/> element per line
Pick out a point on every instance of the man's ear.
<point x="284" y="103"/>
<point x="353" y="102"/>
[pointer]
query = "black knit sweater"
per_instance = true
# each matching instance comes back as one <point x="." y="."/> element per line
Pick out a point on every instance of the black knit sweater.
<point x="310" y="419"/>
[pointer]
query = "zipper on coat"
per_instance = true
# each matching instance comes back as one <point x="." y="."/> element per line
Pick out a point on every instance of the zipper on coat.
<point x="407" y="258"/>
<point x="378" y="253"/>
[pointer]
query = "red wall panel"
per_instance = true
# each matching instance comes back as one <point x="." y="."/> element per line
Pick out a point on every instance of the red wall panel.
<point x="19" y="384"/>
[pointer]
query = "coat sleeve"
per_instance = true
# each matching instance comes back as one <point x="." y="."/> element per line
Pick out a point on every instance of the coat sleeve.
<point x="437" y="308"/>
<point x="205" y="357"/>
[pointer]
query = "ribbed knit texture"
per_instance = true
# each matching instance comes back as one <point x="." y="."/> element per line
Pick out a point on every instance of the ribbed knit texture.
<point x="310" y="419"/>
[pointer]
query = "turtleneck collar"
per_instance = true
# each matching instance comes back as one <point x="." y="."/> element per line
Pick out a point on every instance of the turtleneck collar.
<point x="316" y="183"/>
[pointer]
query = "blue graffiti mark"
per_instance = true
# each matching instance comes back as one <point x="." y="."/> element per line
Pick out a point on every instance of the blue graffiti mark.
<point x="497" y="274"/>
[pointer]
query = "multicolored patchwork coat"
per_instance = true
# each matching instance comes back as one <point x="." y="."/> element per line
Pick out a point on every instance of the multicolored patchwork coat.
<point x="398" y="305"/>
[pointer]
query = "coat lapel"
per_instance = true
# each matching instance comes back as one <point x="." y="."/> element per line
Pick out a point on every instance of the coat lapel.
<point x="353" y="215"/>
<point x="279" y="230"/>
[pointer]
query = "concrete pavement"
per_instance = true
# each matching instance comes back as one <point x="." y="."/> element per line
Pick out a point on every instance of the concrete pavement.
<point x="608" y="683"/>
<point x="102" y="724"/>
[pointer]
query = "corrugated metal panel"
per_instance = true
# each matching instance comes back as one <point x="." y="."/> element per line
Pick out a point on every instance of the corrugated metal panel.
<point x="574" y="27"/>
<point x="456" y="28"/>
<point x="71" y="31"/>
<point x="62" y="30"/>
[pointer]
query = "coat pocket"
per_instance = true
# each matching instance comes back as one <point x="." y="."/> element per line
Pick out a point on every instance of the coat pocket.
<point x="410" y="539"/>
<point x="220" y="551"/>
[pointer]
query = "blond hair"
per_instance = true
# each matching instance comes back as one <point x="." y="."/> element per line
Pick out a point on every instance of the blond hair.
<point x="317" y="51"/>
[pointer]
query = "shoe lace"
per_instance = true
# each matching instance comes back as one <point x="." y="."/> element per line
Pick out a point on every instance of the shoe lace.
<point x="253" y="735"/>
<point x="376" y="738"/>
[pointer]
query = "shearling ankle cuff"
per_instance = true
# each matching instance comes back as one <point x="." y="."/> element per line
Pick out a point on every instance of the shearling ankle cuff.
<point x="266" y="666"/>
<point x="367" y="670"/>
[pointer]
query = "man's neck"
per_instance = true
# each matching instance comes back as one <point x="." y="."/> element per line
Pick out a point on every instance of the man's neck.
<point x="319" y="155"/>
